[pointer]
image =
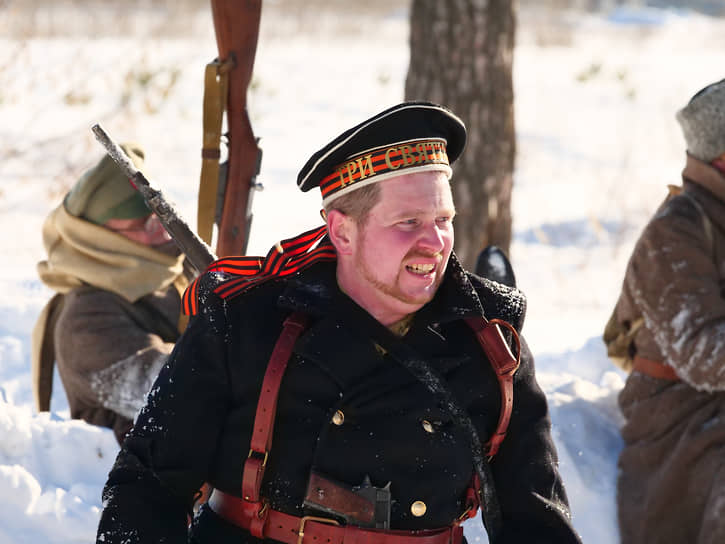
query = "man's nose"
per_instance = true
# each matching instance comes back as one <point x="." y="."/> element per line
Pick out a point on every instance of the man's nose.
<point x="432" y="238"/>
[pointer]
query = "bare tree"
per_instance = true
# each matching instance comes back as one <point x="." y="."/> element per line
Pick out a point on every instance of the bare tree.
<point x="461" y="56"/>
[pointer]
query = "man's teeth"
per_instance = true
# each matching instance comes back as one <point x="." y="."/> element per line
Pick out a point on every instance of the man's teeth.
<point x="421" y="268"/>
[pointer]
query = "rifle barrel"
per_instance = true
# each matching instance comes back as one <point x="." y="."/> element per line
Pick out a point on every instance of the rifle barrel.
<point x="115" y="152"/>
<point x="197" y="252"/>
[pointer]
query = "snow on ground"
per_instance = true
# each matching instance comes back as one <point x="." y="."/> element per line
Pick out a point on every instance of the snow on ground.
<point x="597" y="143"/>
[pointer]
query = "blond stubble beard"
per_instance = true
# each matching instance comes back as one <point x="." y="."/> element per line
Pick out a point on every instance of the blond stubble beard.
<point x="393" y="290"/>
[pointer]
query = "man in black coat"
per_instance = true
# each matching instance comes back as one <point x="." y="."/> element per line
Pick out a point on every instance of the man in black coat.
<point x="344" y="390"/>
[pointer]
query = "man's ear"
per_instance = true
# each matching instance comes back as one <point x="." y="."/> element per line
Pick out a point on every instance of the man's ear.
<point x="341" y="229"/>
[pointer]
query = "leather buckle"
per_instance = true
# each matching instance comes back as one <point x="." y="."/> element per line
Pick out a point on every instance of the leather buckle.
<point x="465" y="515"/>
<point x="262" y="513"/>
<point x="264" y="461"/>
<point x="305" y="519"/>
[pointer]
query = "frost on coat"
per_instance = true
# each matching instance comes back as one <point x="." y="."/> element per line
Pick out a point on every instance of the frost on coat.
<point x="674" y="282"/>
<point x="122" y="386"/>
<point x="671" y="483"/>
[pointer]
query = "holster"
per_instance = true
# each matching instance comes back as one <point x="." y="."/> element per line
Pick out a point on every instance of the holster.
<point x="362" y="506"/>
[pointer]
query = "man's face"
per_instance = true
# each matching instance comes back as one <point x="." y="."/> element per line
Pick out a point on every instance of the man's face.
<point x="401" y="250"/>
<point x="144" y="230"/>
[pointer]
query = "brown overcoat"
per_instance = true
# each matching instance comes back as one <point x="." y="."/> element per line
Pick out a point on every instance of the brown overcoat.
<point x="112" y="322"/>
<point x="671" y="486"/>
<point x="109" y="351"/>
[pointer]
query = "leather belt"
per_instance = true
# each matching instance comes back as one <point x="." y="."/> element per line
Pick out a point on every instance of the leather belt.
<point x="298" y="530"/>
<point x="654" y="369"/>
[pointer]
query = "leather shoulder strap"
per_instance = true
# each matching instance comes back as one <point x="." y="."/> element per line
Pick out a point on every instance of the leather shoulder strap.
<point x="261" y="443"/>
<point x="504" y="365"/>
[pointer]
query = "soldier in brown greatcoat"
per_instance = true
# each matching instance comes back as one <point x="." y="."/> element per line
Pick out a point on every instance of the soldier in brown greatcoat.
<point x="115" y="317"/>
<point x="671" y="487"/>
<point x="340" y="393"/>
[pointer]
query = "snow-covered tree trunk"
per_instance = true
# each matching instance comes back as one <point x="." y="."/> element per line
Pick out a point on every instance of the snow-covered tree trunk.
<point x="461" y="56"/>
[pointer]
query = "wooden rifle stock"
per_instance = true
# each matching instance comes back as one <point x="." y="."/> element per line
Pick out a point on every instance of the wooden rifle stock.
<point x="236" y="24"/>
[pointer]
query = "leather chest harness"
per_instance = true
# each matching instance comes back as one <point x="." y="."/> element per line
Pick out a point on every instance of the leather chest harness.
<point x="252" y="512"/>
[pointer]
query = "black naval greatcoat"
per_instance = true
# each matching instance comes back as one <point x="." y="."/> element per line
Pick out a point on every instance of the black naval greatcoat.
<point x="196" y="425"/>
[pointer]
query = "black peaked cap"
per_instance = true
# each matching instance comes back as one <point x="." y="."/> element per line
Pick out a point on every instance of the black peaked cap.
<point x="403" y="122"/>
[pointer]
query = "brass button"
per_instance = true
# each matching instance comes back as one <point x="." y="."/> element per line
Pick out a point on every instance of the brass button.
<point x="427" y="426"/>
<point x="338" y="418"/>
<point x="418" y="508"/>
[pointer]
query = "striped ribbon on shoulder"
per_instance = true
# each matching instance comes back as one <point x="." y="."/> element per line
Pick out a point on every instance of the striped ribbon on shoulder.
<point x="243" y="272"/>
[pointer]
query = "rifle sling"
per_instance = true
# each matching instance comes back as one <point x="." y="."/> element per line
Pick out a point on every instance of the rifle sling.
<point x="216" y="85"/>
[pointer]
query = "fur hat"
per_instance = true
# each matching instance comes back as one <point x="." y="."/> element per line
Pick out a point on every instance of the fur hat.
<point x="409" y="137"/>
<point x="104" y="192"/>
<point x="703" y="122"/>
